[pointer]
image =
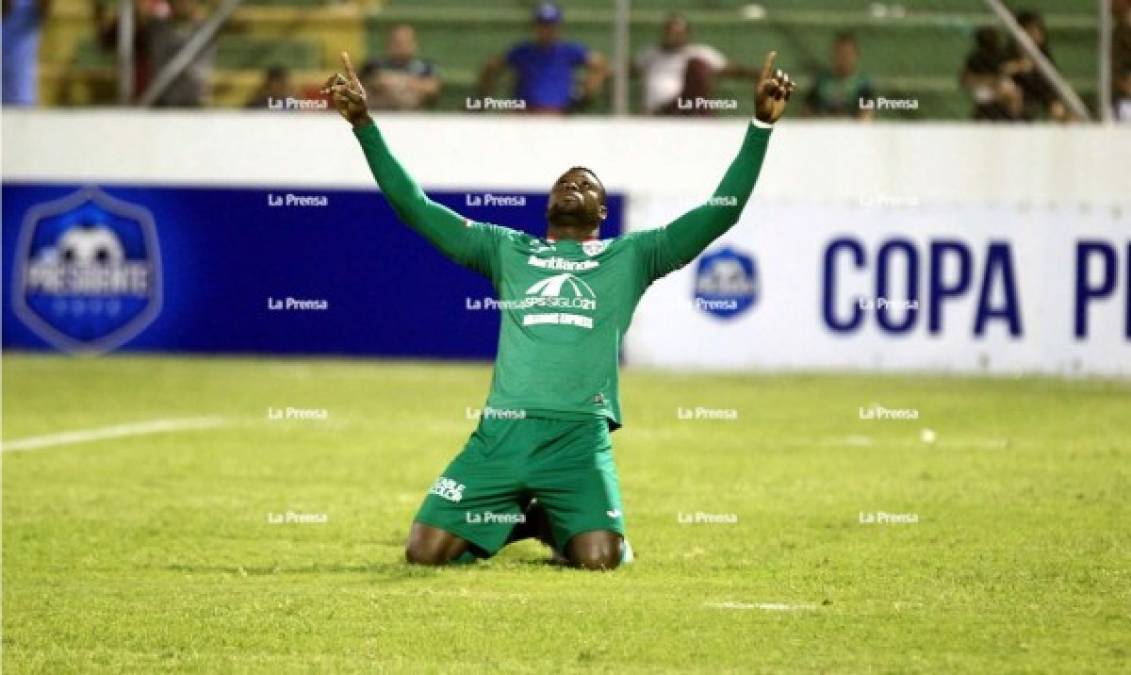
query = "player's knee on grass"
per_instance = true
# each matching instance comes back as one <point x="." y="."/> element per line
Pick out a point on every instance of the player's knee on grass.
<point x="428" y="545"/>
<point x="597" y="550"/>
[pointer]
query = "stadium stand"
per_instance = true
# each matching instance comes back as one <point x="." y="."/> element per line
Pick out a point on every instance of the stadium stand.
<point x="911" y="50"/>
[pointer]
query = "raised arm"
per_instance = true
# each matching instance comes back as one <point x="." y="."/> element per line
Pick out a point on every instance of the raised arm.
<point x="451" y="233"/>
<point x="688" y="235"/>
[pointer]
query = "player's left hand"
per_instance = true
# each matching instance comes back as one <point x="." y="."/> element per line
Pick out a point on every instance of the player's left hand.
<point x="773" y="92"/>
<point x="347" y="94"/>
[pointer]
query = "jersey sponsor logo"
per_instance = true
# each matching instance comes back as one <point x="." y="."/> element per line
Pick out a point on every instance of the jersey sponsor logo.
<point x="592" y="248"/>
<point x="446" y="488"/>
<point x="562" y="264"/>
<point x="561" y="291"/>
<point x="87" y="274"/>
<point x="726" y="283"/>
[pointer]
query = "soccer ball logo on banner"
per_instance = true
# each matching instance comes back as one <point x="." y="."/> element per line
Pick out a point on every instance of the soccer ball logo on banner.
<point x="726" y="283"/>
<point x="87" y="276"/>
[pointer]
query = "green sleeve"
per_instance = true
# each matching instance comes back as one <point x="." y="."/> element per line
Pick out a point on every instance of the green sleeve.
<point x="470" y="244"/>
<point x="685" y="238"/>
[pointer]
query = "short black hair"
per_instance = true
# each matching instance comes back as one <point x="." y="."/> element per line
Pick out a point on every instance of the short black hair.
<point x="845" y="36"/>
<point x="591" y="172"/>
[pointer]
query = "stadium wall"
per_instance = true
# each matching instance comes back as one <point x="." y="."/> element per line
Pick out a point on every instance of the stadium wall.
<point x="1013" y="242"/>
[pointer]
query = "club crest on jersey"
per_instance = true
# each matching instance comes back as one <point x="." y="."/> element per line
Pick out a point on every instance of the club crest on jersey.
<point x="726" y="283"/>
<point x="87" y="273"/>
<point x="592" y="248"/>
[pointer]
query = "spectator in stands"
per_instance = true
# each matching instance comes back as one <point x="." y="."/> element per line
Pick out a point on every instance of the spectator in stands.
<point x="1122" y="98"/>
<point x="544" y="68"/>
<point x="996" y="96"/>
<point x="1039" y="97"/>
<point x="400" y="80"/>
<point x="839" y="90"/>
<point x="276" y="87"/>
<point x="1121" y="59"/>
<point x="165" y="36"/>
<point x="676" y="71"/>
<point x="20" y="43"/>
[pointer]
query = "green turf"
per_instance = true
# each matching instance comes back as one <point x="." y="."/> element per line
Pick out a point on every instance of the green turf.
<point x="154" y="552"/>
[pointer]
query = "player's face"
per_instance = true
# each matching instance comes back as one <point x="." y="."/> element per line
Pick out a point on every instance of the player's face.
<point x="577" y="198"/>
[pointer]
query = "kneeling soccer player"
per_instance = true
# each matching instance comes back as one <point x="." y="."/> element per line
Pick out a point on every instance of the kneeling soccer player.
<point x="541" y="453"/>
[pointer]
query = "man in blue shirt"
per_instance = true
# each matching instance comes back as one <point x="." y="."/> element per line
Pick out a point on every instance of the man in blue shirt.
<point x="544" y="68"/>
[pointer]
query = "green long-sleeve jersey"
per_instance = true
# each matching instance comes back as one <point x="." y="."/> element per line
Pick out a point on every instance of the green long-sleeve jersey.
<point x="565" y="304"/>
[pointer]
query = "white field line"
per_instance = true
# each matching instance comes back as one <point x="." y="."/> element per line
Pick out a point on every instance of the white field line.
<point x="768" y="606"/>
<point x="118" y="431"/>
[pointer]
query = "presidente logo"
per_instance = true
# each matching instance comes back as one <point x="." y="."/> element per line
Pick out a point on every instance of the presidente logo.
<point x="87" y="273"/>
<point x="726" y="283"/>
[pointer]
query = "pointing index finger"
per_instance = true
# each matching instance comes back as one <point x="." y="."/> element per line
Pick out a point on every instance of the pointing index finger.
<point x="767" y="67"/>
<point x="349" y="67"/>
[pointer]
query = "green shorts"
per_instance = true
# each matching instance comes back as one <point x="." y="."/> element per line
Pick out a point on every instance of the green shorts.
<point x="566" y="464"/>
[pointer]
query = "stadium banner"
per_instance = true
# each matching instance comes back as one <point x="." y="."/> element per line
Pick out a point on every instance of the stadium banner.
<point x="94" y="267"/>
<point x="896" y="285"/>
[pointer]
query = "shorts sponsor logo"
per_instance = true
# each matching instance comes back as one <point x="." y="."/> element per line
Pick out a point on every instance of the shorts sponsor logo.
<point x="446" y="488"/>
<point x="87" y="273"/>
<point x="726" y="283"/>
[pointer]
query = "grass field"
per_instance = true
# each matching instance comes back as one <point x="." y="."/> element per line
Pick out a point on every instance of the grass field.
<point x="154" y="552"/>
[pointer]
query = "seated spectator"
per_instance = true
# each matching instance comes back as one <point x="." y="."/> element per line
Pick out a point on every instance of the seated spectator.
<point x="544" y="68"/>
<point x="165" y="36"/>
<point x="838" y="90"/>
<point x="676" y="71"/>
<point x="1122" y="98"/>
<point x="995" y="95"/>
<point x="21" y="27"/>
<point x="400" y="80"/>
<point x="1039" y="97"/>
<point x="276" y="88"/>
<point x="1121" y="59"/>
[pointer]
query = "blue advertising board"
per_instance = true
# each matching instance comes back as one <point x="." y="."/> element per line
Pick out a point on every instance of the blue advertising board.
<point x="90" y="268"/>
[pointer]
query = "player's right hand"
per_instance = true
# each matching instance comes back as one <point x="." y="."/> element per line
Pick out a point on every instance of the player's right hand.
<point x="347" y="94"/>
